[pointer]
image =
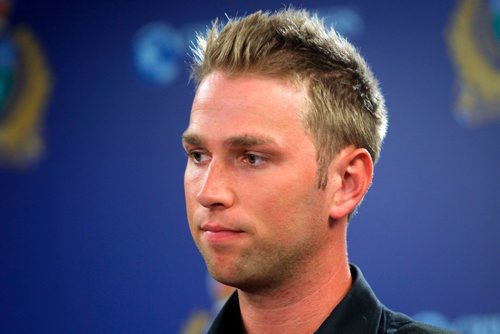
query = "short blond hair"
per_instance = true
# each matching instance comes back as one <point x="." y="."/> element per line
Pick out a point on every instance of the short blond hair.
<point x="346" y="105"/>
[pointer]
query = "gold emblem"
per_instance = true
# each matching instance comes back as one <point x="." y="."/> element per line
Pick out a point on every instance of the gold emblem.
<point x="21" y="143"/>
<point x="474" y="41"/>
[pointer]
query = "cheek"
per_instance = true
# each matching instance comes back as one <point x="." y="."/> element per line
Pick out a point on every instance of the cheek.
<point x="285" y="211"/>
<point x="192" y="184"/>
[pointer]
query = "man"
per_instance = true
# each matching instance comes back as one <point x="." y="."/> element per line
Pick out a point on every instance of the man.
<point x="285" y="128"/>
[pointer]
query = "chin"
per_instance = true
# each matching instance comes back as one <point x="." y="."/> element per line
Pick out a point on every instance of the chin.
<point x="227" y="276"/>
<point x="224" y="279"/>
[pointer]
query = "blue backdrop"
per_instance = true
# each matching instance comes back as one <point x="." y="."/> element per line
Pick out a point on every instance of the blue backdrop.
<point x="93" y="234"/>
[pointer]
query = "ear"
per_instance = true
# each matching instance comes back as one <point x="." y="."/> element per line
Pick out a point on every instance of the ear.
<point x="353" y="171"/>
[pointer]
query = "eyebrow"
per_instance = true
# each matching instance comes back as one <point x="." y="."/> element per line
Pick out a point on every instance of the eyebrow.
<point x="191" y="139"/>
<point x="240" y="141"/>
<point x="247" y="140"/>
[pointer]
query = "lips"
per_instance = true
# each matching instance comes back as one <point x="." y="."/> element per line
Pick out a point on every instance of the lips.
<point x="215" y="228"/>
<point x="219" y="233"/>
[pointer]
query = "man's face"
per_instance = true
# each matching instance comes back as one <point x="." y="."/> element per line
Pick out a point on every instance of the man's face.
<point x="253" y="205"/>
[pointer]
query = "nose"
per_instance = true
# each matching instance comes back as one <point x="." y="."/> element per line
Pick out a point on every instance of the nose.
<point x="216" y="190"/>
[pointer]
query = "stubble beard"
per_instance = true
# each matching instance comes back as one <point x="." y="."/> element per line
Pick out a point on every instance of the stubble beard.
<point x="261" y="269"/>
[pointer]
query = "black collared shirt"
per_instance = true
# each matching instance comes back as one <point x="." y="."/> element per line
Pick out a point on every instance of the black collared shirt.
<point x="359" y="312"/>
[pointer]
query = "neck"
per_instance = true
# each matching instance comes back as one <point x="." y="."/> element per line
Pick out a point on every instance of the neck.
<point x="303" y="303"/>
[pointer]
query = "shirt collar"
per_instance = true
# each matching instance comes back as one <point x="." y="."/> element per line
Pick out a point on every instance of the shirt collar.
<point x="358" y="312"/>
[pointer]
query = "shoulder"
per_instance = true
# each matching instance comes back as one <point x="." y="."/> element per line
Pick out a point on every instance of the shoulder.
<point x="399" y="323"/>
<point x="414" y="327"/>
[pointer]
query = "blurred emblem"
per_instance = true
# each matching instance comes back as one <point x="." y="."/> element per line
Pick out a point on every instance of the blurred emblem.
<point x="474" y="42"/>
<point x="200" y="321"/>
<point x="158" y="52"/>
<point x="24" y="87"/>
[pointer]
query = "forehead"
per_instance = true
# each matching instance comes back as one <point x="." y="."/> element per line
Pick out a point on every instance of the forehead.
<point x="250" y="100"/>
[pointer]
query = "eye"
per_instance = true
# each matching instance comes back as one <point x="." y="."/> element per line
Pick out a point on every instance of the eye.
<point x="254" y="160"/>
<point x="198" y="157"/>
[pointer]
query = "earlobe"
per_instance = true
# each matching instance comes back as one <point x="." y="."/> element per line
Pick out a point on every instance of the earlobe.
<point x="354" y="169"/>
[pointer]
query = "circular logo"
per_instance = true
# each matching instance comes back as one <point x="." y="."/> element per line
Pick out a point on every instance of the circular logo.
<point x="158" y="52"/>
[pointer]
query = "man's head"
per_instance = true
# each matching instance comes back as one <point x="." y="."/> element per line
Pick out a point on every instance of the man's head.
<point x="275" y="116"/>
<point x="345" y="103"/>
